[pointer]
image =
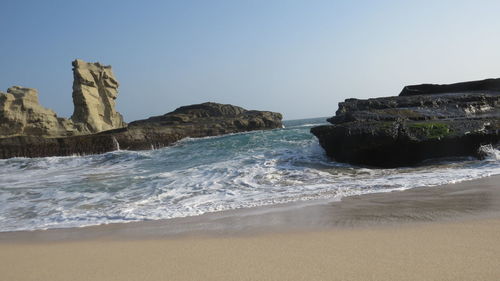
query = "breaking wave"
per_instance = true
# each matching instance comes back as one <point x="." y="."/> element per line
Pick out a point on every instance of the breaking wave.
<point x="197" y="176"/>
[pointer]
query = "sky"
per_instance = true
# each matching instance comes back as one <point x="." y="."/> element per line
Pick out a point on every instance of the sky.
<point x="300" y="58"/>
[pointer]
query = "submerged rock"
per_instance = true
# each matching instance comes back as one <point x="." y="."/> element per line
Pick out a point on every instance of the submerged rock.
<point x="425" y="121"/>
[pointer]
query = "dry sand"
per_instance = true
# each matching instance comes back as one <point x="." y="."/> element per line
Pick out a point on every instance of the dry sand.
<point x="444" y="233"/>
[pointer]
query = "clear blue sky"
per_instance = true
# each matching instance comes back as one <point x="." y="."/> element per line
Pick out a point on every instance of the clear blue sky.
<point x="299" y="58"/>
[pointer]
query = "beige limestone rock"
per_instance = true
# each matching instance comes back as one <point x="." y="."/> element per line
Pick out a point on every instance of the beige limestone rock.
<point x="94" y="92"/>
<point x="95" y="89"/>
<point x="21" y="114"/>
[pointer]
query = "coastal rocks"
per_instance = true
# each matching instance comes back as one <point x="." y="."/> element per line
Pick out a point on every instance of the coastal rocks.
<point x="34" y="146"/>
<point x="94" y="92"/>
<point x="21" y="114"/>
<point x="210" y="116"/>
<point x="95" y="89"/>
<point x="200" y="120"/>
<point x="425" y="121"/>
<point x="471" y="86"/>
<point x="30" y="130"/>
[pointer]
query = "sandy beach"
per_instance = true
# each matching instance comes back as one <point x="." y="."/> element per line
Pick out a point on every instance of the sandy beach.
<point x="437" y="233"/>
<point x="250" y="140"/>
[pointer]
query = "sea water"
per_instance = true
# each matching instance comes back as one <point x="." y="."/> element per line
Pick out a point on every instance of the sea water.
<point x="197" y="176"/>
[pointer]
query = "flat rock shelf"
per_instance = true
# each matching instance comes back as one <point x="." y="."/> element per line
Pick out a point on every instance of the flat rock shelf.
<point x="423" y="122"/>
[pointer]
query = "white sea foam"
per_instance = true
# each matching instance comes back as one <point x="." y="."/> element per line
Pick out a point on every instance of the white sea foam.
<point x="198" y="176"/>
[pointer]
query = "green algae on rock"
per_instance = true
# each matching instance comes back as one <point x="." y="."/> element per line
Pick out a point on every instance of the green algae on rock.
<point x="407" y="129"/>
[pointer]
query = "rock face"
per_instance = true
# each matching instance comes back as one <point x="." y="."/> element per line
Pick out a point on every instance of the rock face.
<point x="21" y="114"/>
<point x="94" y="92"/>
<point x="200" y="120"/>
<point x="425" y="121"/>
<point x="95" y="89"/>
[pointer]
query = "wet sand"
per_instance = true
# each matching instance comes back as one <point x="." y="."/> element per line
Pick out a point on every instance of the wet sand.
<point x="439" y="233"/>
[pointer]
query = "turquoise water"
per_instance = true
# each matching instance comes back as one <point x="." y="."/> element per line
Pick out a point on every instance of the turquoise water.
<point x="197" y="176"/>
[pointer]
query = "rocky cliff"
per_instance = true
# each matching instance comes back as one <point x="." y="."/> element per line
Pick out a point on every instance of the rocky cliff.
<point x="425" y="121"/>
<point x="200" y="120"/>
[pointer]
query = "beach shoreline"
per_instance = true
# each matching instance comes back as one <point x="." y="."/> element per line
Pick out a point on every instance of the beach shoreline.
<point x="433" y="233"/>
<point x="467" y="200"/>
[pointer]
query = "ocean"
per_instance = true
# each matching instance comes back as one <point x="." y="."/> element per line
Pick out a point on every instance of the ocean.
<point x="198" y="176"/>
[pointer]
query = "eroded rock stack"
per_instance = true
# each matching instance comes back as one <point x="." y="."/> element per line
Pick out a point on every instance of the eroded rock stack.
<point x="95" y="89"/>
<point x="94" y="92"/>
<point x="21" y="114"/>
<point x="424" y="121"/>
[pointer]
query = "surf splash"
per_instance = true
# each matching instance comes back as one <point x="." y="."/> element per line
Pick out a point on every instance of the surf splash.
<point x="197" y="176"/>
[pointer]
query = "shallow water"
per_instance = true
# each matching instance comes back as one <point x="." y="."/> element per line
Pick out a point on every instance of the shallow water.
<point x="201" y="175"/>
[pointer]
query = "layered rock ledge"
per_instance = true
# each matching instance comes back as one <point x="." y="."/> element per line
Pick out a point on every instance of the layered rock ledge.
<point x="425" y="121"/>
<point x="200" y="120"/>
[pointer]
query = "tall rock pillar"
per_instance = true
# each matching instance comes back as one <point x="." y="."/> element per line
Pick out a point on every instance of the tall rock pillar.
<point x="95" y="89"/>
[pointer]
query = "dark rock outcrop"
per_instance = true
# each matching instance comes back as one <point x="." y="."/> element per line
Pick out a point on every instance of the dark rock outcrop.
<point x="201" y="120"/>
<point x="425" y="121"/>
<point x="463" y="87"/>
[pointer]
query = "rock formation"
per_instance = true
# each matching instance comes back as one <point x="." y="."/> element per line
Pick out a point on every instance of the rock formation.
<point x="472" y="86"/>
<point x="94" y="92"/>
<point x="21" y="114"/>
<point x="201" y="120"/>
<point x="425" y="121"/>
<point x="30" y="130"/>
<point x="95" y="89"/>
